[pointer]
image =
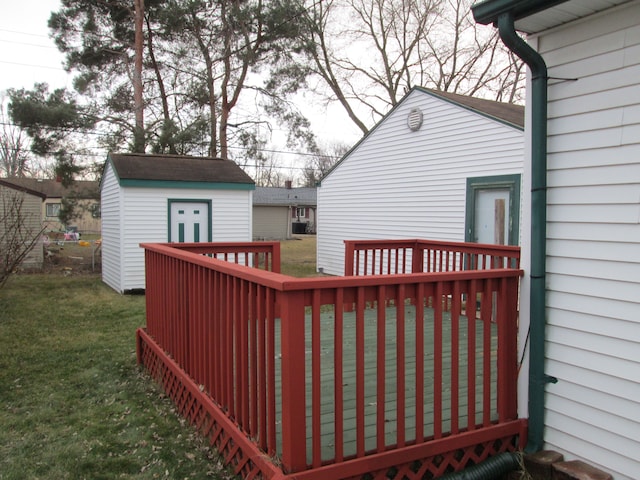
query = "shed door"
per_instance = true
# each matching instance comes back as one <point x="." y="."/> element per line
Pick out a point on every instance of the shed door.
<point x="493" y="207"/>
<point x="189" y="221"/>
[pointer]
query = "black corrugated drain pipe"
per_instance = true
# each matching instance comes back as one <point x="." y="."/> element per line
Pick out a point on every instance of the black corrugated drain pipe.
<point x="490" y="469"/>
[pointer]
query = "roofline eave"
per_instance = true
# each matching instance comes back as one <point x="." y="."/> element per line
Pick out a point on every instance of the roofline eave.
<point x="488" y="11"/>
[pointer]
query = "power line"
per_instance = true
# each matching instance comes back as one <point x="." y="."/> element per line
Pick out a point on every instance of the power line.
<point x="201" y="144"/>
<point x="32" y="66"/>
<point x="23" y="33"/>
<point x="13" y="42"/>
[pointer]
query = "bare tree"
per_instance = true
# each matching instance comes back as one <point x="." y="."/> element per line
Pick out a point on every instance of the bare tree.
<point x="14" y="150"/>
<point x="269" y="172"/>
<point x="369" y="53"/>
<point x="20" y="232"/>
<point x="321" y="163"/>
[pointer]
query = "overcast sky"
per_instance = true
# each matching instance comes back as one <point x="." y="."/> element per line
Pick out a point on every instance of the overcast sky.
<point x="27" y="54"/>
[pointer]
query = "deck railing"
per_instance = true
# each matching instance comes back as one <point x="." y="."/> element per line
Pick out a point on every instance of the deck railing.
<point x="262" y="255"/>
<point x="385" y="257"/>
<point x="318" y="371"/>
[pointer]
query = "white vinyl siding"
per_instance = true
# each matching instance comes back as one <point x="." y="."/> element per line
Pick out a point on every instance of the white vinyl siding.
<point x="110" y="199"/>
<point x="593" y="264"/>
<point x="146" y="220"/>
<point x="398" y="183"/>
<point x="232" y="215"/>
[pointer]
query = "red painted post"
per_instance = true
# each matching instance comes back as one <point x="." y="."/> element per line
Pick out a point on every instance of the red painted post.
<point x="294" y="442"/>
<point x="471" y="355"/>
<point x="275" y="257"/>
<point x="316" y="372"/>
<point x="348" y="258"/>
<point x="437" y="361"/>
<point x="486" y="315"/>
<point x="381" y="367"/>
<point x="271" y="371"/>
<point x="455" y="357"/>
<point x="338" y="383"/>
<point x="507" y="350"/>
<point x="400" y="366"/>
<point x="420" y="302"/>
<point x="417" y="258"/>
<point x="360" y="365"/>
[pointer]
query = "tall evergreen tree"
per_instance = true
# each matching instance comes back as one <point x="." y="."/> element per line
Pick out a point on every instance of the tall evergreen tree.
<point x="53" y="121"/>
<point x="203" y="60"/>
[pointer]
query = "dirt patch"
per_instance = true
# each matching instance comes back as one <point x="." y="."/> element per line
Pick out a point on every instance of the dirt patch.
<point x="73" y="257"/>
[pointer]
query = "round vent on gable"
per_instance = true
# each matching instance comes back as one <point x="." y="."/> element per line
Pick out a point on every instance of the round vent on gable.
<point x="414" y="119"/>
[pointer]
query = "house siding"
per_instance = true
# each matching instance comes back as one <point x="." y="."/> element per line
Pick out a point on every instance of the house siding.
<point x="593" y="263"/>
<point x="30" y="211"/>
<point x="271" y="222"/>
<point x="112" y="216"/>
<point x="402" y="184"/>
<point x="84" y="220"/>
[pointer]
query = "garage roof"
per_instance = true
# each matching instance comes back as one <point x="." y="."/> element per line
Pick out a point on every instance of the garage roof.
<point x="285" y="196"/>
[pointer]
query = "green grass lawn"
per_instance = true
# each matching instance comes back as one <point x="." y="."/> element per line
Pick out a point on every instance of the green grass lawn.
<point x="299" y="256"/>
<point x="73" y="403"/>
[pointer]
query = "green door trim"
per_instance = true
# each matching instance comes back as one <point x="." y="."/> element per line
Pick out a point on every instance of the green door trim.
<point x="510" y="182"/>
<point x="171" y="201"/>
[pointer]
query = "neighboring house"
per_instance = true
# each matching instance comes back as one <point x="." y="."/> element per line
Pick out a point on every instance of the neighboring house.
<point x="29" y="202"/>
<point x="86" y="194"/>
<point x="590" y="342"/>
<point x="438" y="166"/>
<point x="278" y="213"/>
<point x="168" y="198"/>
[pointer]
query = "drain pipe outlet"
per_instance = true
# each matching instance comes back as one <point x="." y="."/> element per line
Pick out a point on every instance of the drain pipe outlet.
<point x="490" y="469"/>
<point x="537" y="377"/>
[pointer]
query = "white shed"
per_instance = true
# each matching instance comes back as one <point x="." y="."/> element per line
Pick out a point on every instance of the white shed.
<point x="591" y="345"/>
<point x="437" y="166"/>
<point x="167" y="198"/>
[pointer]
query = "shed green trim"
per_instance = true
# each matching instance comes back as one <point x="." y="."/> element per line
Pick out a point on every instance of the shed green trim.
<point x="185" y="185"/>
<point x="512" y="183"/>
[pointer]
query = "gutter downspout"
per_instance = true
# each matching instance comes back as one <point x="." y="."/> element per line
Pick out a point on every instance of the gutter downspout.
<point x="537" y="377"/>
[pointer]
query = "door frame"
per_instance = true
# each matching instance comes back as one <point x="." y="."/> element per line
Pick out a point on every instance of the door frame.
<point x="171" y="201"/>
<point x="494" y="182"/>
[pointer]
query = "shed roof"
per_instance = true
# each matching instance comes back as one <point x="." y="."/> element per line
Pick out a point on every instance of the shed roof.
<point x="177" y="168"/>
<point x="284" y="196"/>
<point x="47" y="188"/>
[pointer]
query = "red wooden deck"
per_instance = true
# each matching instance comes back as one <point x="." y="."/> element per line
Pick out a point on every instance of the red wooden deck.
<point x="391" y="371"/>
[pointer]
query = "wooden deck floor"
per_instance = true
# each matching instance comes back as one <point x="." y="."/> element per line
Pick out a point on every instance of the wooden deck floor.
<point x="328" y="369"/>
